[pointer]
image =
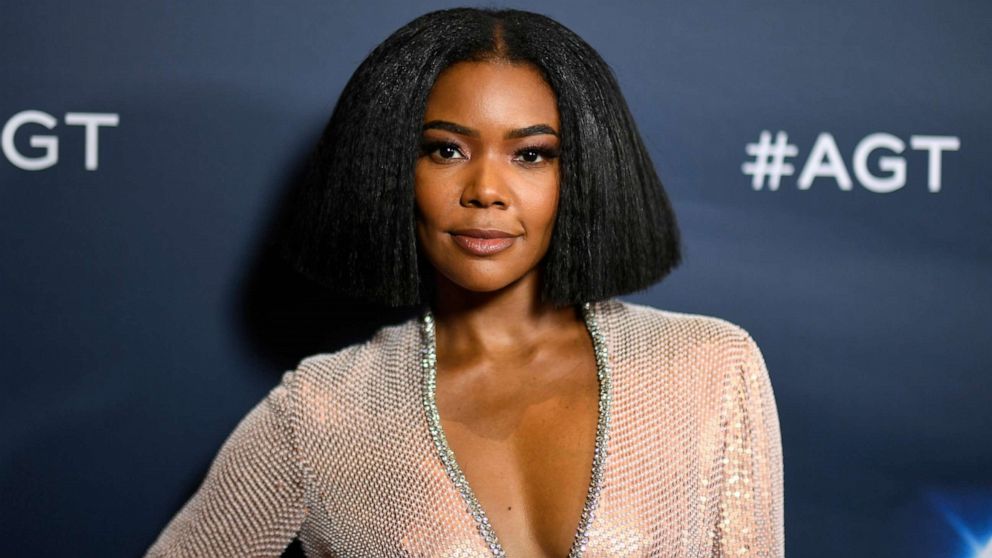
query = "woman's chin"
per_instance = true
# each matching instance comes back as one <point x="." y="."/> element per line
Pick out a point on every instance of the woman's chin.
<point x="483" y="284"/>
<point x="483" y="287"/>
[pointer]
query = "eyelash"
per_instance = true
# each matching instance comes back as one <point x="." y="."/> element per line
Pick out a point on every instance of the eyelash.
<point x="546" y="153"/>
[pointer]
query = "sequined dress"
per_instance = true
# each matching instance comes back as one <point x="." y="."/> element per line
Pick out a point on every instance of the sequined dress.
<point x="346" y="453"/>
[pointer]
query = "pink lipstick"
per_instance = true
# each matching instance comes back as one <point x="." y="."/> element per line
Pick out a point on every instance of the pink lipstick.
<point x="483" y="242"/>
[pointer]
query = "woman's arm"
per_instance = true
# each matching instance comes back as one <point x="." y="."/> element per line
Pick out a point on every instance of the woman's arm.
<point x="750" y="518"/>
<point x="251" y="501"/>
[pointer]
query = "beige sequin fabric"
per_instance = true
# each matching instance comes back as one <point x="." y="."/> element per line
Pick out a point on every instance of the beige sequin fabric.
<point x="340" y="454"/>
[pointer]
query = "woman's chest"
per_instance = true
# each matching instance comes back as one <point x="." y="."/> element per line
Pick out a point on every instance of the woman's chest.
<point x="527" y="457"/>
<point x="400" y="478"/>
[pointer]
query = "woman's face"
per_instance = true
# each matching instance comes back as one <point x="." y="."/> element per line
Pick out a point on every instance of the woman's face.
<point x="487" y="179"/>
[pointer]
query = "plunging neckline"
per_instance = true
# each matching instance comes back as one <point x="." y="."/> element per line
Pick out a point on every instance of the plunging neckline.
<point x="447" y="456"/>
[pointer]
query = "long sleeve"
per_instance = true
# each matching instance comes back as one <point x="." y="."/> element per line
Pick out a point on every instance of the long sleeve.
<point x="251" y="501"/>
<point x="751" y="518"/>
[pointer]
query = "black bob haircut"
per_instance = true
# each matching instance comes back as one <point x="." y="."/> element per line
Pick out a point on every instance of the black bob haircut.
<point x="353" y="222"/>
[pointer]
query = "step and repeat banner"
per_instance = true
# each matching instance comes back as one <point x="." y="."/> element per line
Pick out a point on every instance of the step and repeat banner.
<point x="829" y="164"/>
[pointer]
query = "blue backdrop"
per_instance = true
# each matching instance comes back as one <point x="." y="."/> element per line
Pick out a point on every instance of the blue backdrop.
<point x="828" y="162"/>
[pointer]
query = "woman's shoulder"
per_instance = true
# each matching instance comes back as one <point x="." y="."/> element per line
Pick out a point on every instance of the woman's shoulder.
<point x="707" y="351"/>
<point x="645" y="337"/>
<point x="641" y="317"/>
<point x="350" y="366"/>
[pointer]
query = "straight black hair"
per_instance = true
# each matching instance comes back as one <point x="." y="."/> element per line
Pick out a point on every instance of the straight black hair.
<point x="353" y="225"/>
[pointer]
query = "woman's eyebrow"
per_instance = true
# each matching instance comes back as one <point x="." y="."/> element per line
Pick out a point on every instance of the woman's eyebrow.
<point x="535" y="130"/>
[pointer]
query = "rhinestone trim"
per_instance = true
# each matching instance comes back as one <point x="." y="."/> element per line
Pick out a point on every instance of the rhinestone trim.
<point x="429" y="366"/>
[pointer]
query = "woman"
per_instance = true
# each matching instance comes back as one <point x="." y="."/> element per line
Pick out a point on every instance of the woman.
<point x="484" y="166"/>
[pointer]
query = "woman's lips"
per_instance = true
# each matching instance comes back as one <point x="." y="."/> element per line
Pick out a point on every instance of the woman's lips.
<point x="483" y="246"/>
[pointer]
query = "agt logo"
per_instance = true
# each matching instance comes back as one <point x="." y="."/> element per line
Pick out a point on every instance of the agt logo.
<point x="770" y="161"/>
<point x="49" y="144"/>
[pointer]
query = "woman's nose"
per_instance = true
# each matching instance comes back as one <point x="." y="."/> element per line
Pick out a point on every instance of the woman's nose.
<point x="485" y="183"/>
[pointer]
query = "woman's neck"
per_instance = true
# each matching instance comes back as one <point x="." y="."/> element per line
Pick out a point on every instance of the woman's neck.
<point x="509" y="320"/>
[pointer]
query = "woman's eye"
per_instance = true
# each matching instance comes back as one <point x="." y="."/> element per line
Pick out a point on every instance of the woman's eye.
<point x="448" y="152"/>
<point x="443" y="151"/>
<point x="531" y="156"/>
<point x="535" y="156"/>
